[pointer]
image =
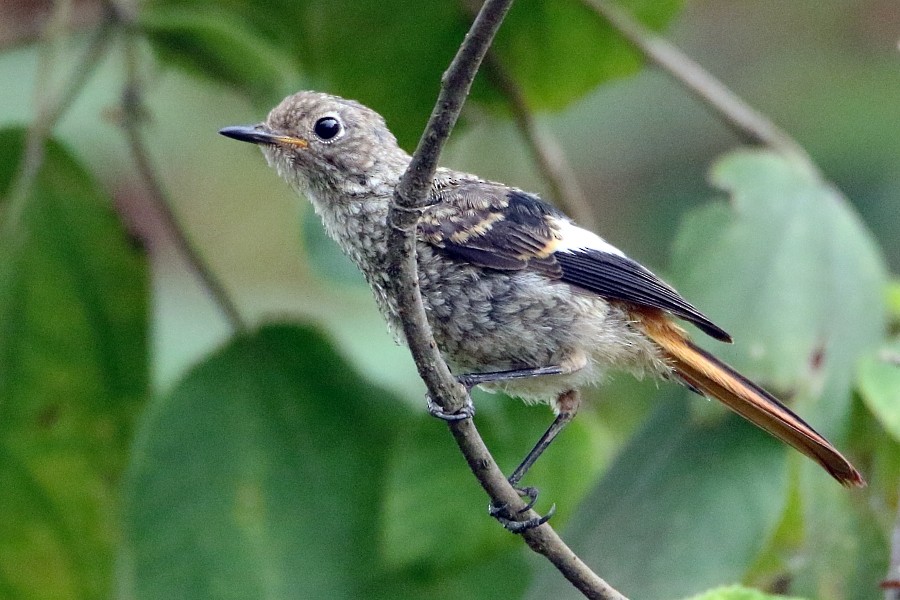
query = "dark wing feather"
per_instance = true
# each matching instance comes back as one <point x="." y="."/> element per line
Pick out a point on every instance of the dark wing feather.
<point x="492" y="226"/>
<point x="619" y="277"/>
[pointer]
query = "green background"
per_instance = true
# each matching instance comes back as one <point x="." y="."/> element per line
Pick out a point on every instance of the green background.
<point x="149" y="450"/>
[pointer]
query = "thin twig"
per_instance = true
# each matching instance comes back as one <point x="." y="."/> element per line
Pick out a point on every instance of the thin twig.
<point x="132" y="115"/>
<point x="410" y="197"/>
<point x="51" y="107"/>
<point x="737" y="114"/>
<point x="547" y="153"/>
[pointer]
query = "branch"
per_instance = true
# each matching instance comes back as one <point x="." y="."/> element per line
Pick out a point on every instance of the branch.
<point x="50" y="109"/>
<point x="547" y="153"/>
<point x="410" y="198"/>
<point x="132" y="115"/>
<point x="737" y="114"/>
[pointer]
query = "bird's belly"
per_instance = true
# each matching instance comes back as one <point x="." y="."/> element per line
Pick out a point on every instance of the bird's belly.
<point x="488" y="320"/>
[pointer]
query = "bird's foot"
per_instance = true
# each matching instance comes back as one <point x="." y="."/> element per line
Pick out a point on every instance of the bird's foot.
<point x="435" y="410"/>
<point x="510" y="520"/>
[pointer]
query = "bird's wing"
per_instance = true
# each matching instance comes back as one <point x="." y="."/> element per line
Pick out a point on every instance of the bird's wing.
<point x="496" y="227"/>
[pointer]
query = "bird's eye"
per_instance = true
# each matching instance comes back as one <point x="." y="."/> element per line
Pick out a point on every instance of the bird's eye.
<point x="327" y="128"/>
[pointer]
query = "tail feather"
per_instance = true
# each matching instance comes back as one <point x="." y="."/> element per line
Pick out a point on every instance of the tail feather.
<point x="715" y="379"/>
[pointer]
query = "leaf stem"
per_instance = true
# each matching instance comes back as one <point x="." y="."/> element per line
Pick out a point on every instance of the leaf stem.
<point x="410" y="197"/>
<point x="50" y="108"/>
<point x="133" y="113"/>
<point x="737" y="114"/>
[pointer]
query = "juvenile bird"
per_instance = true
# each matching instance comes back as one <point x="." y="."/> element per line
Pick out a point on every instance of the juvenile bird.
<point x="519" y="297"/>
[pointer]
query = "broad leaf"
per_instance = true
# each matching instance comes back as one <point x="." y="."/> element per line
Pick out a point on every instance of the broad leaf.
<point x="791" y="271"/>
<point x="218" y="45"/>
<point x="787" y="268"/>
<point x="845" y="549"/>
<point x="260" y="476"/>
<point x="559" y="50"/>
<point x="73" y="370"/>
<point x="738" y="593"/>
<point x="459" y="529"/>
<point x="390" y="54"/>
<point x="684" y="507"/>
<point x="879" y="386"/>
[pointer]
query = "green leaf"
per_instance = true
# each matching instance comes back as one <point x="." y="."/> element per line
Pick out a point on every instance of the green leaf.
<point x="218" y="45"/>
<point x="737" y="592"/>
<point x="73" y="370"/>
<point x="788" y="268"/>
<point x="273" y="468"/>
<point x="260" y="476"/>
<point x="684" y="507"/>
<point x="845" y="549"/>
<point x="503" y="575"/>
<point x="558" y="51"/>
<point x="893" y="300"/>
<point x="879" y="386"/>
<point x="390" y="54"/>
<point x="453" y="532"/>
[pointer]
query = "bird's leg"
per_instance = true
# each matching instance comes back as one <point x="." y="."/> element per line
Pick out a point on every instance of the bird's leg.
<point x="567" y="404"/>
<point x="470" y="380"/>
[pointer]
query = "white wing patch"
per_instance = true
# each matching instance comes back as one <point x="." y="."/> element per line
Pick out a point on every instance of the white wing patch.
<point x="573" y="238"/>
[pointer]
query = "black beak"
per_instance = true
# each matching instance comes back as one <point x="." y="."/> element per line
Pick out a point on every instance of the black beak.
<point x="256" y="135"/>
<point x="248" y="133"/>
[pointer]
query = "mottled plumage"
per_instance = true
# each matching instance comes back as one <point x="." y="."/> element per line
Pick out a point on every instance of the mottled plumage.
<point x="509" y="282"/>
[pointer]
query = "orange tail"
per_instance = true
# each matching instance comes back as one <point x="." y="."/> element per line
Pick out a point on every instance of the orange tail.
<point x="713" y="378"/>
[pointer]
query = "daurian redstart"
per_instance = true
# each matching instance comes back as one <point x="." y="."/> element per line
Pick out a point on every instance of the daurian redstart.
<point x="519" y="297"/>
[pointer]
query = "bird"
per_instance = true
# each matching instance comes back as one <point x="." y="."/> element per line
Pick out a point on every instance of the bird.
<point x="519" y="297"/>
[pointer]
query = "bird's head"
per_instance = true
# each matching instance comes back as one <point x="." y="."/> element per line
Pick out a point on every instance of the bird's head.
<point x="324" y="144"/>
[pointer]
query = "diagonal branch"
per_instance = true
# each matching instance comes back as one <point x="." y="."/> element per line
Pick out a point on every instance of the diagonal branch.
<point x="132" y="115"/>
<point x="50" y="109"/>
<point x="410" y="197"/>
<point x="737" y="114"/>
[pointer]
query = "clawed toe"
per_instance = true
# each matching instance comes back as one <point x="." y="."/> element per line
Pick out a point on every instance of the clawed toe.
<point x="435" y="410"/>
<point x="509" y="519"/>
<point x="503" y="516"/>
<point x="528" y="492"/>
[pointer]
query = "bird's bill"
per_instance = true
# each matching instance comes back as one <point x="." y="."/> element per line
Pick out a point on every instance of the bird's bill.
<point x="255" y="135"/>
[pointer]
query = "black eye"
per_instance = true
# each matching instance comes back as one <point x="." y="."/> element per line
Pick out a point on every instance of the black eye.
<point x="327" y="128"/>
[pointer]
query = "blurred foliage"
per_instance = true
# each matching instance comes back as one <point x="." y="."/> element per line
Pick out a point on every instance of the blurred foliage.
<point x="234" y="42"/>
<point x="788" y="240"/>
<point x="73" y="368"/>
<point x="879" y="380"/>
<point x="677" y="486"/>
<point x="295" y="460"/>
<point x="736" y="593"/>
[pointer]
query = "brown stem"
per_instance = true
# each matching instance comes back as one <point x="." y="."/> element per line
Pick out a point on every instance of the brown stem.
<point x="50" y="109"/>
<point x="132" y="115"/>
<point x="410" y="197"/>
